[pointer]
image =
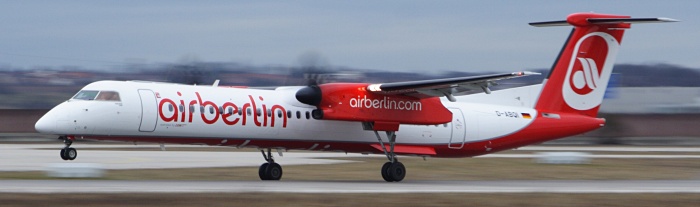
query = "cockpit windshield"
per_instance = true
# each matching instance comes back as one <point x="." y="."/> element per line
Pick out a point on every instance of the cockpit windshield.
<point x="97" y="95"/>
<point x="86" y="95"/>
<point x="108" y="96"/>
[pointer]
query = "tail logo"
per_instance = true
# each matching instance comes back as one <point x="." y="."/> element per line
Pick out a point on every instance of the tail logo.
<point x="585" y="82"/>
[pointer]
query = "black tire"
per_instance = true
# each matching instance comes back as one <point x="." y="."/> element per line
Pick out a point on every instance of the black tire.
<point x="274" y="171"/>
<point x="262" y="172"/>
<point x="71" y="153"/>
<point x="396" y="172"/>
<point x="63" y="154"/>
<point x="385" y="172"/>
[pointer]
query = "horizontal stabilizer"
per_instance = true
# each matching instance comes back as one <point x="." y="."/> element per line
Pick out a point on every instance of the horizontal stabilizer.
<point x="550" y="23"/>
<point x="605" y="21"/>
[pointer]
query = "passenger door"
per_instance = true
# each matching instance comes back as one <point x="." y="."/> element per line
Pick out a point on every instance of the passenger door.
<point x="459" y="127"/>
<point x="149" y="111"/>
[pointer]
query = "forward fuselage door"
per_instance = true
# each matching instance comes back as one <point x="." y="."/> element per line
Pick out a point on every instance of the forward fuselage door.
<point x="149" y="111"/>
<point x="459" y="127"/>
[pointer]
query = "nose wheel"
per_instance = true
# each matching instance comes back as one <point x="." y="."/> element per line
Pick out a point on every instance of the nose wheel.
<point x="269" y="170"/>
<point x="68" y="153"/>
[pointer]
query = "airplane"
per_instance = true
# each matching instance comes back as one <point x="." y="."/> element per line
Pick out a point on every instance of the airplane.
<point x="414" y="118"/>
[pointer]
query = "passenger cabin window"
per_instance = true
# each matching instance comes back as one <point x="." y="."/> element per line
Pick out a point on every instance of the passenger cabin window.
<point x="90" y="95"/>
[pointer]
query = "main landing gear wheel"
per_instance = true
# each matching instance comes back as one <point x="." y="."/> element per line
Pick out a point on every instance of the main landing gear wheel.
<point x="393" y="172"/>
<point x="385" y="171"/>
<point x="68" y="153"/>
<point x="269" y="170"/>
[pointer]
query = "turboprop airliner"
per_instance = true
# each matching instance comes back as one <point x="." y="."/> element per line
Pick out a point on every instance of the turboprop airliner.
<point x="417" y="118"/>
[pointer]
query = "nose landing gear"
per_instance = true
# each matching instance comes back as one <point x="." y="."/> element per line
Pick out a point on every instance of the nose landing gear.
<point x="269" y="170"/>
<point x="68" y="153"/>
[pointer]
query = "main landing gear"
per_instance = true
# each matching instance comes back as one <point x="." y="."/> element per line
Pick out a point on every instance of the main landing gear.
<point x="392" y="171"/>
<point x="269" y="170"/>
<point x="68" y="153"/>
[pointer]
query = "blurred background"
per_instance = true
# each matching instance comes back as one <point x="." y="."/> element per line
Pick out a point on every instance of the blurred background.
<point x="49" y="50"/>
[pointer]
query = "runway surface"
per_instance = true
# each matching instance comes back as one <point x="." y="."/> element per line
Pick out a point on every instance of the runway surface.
<point x="38" y="157"/>
<point x="512" y="186"/>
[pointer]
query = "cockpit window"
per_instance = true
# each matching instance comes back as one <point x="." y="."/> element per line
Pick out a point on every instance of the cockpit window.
<point x="97" y="95"/>
<point x="86" y="95"/>
<point x="108" y="96"/>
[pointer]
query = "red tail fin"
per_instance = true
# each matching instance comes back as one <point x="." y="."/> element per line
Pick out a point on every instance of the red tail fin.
<point x="579" y="76"/>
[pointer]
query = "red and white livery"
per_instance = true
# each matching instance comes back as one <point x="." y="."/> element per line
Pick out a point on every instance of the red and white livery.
<point x="423" y="118"/>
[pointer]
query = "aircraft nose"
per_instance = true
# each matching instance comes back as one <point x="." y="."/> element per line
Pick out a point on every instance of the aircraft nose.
<point x="46" y="124"/>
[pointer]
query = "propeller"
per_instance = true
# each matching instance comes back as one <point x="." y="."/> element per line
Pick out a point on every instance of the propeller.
<point x="311" y="94"/>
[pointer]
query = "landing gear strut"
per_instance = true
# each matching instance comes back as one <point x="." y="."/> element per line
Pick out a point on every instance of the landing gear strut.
<point x="269" y="170"/>
<point x="392" y="171"/>
<point x="68" y="153"/>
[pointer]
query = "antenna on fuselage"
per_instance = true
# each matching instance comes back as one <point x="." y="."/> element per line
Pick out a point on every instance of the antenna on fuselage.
<point x="216" y="83"/>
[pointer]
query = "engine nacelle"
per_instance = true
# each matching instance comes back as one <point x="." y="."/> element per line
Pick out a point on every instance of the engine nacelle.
<point x="352" y="102"/>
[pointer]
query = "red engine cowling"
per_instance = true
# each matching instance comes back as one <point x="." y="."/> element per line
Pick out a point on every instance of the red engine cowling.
<point x="352" y="102"/>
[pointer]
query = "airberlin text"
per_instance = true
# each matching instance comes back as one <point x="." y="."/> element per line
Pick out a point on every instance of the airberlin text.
<point x="229" y="113"/>
<point x="385" y="103"/>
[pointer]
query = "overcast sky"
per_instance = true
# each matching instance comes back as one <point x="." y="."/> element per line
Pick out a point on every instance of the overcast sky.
<point x="402" y="35"/>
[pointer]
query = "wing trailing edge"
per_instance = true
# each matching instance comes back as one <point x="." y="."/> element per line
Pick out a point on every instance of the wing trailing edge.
<point x="444" y="87"/>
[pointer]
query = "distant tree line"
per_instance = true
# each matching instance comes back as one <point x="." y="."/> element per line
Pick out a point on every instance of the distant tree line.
<point x="27" y="90"/>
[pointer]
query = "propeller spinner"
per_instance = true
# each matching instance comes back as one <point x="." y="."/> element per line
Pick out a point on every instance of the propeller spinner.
<point x="310" y="95"/>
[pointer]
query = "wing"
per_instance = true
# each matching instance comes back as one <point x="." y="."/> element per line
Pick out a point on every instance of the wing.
<point x="444" y="87"/>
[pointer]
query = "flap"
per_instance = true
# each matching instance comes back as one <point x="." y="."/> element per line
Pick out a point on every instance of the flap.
<point x="407" y="149"/>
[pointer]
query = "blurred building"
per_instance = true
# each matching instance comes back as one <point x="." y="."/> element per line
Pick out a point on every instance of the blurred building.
<point x="652" y="100"/>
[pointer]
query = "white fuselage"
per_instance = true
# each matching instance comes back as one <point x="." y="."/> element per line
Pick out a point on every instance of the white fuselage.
<point x="146" y="109"/>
